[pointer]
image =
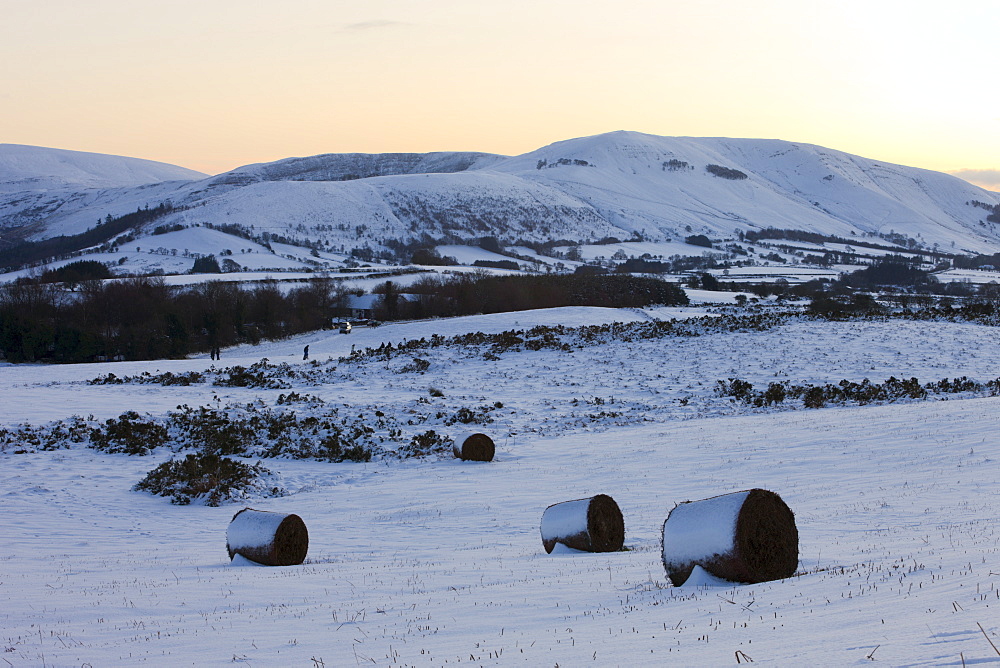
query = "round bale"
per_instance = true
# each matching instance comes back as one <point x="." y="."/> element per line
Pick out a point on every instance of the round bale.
<point x="474" y="447"/>
<point x="747" y="536"/>
<point x="268" y="538"/>
<point x="594" y="524"/>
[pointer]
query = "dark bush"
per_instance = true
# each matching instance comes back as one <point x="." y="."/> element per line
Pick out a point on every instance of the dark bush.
<point x="333" y="448"/>
<point x="698" y="240"/>
<point x="216" y="433"/>
<point x="638" y="265"/>
<point x="498" y="264"/>
<point x="734" y="387"/>
<point x="480" y="415"/>
<point x="814" y="397"/>
<point x="26" y="438"/>
<point x="260" y="374"/>
<point x="417" y="365"/>
<point x="426" y="443"/>
<point x="828" y="306"/>
<point x="205" y="477"/>
<point x="130" y="434"/>
<point x="76" y="272"/>
<point x="206" y="265"/>
<point x="165" y="378"/>
<point x="430" y="257"/>
<point x="163" y="229"/>
<point x="774" y="394"/>
<point x="491" y="244"/>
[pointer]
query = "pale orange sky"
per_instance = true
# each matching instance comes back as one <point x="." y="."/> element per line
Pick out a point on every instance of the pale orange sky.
<point x="215" y="84"/>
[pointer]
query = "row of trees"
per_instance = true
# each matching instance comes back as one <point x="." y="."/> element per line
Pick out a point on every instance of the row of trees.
<point x="474" y="293"/>
<point x="143" y="318"/>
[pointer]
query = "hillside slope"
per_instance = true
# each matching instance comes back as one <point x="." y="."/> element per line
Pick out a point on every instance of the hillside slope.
<point x="661" y="185"/>
<point x="25" y="168"/>
<point x="620" y="184"/>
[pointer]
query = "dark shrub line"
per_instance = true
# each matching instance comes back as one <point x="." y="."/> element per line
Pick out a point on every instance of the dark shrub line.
<point x="320" y="432"/>
<point x="264" y="374"/>
<point x="560" y="337"/>
<point x="849" y="392"/>
<point x="210" y="437"/>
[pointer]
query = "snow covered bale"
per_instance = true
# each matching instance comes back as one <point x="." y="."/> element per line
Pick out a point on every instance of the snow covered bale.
<point x="747" y="536"/>
<point x="475" y="447"/>
<point x="592" y="525"/>
<point x="271" y="539"/>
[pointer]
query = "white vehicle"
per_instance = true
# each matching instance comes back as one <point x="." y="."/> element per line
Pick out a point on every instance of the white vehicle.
<point x="345" y="327"/>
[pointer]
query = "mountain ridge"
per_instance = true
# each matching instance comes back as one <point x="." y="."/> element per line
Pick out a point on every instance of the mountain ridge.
<point x="623" y="184"/>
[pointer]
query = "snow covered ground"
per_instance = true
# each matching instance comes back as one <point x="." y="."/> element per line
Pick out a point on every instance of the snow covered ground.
<point x="470" y="254"/>
<point x="764" y="274"/>
<point x="427" y="562"/>
<point x="663" y="249"/>
<point x="973" y="276"/>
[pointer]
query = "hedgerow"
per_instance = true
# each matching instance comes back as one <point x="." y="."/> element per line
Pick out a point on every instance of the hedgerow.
<point x="849" y="392"/>
<point x="318" y="431"/>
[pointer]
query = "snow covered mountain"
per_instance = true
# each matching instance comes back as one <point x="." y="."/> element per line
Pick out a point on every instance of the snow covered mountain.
<point x="27" y="168"/>
<point x="620" y="184"/>
<point x="651" y="184"/>
<point x="351" y="166"/>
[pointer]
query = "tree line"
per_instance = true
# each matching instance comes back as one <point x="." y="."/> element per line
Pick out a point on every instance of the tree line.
<point x="480" y="292"/>
<point x="143" y="318"/>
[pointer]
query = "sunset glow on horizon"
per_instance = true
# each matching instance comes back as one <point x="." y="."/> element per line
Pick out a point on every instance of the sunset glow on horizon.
<point x="213" y="86"/>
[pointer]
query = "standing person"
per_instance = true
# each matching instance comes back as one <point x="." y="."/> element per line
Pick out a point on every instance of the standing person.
<point x="305" y="353"/>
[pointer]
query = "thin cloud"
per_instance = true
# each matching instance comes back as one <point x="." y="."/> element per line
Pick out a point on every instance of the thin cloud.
<point x="373" y="25"/>
<point x="984" y="178"/>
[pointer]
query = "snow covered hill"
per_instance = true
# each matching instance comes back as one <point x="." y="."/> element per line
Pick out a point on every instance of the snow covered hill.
<point x="666" y="185"/>
<point x="620" y="184"/>
<point x="32" y="168"/>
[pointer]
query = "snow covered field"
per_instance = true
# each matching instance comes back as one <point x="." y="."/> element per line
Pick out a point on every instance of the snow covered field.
<point x="427" y="562"/>
<point x="973" y="276"/>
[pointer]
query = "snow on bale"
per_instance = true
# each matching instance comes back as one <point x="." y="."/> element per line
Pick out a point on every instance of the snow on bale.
<point x="271" y="539"/>
<point x="592" y="525"/>
<point x="747" y="536"/>
<point x="475" y="447"/>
